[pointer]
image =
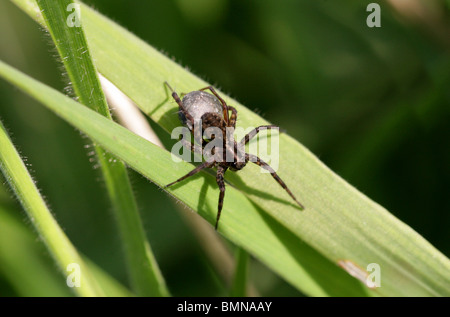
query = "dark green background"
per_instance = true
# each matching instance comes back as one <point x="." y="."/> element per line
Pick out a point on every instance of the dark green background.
<point x="372" y="103"/>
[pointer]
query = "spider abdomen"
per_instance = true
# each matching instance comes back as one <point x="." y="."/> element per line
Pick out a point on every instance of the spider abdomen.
<point x="197" y="103"/>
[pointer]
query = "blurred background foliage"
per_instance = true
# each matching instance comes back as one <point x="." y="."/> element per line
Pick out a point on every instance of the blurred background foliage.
<point x="372" y="103"/>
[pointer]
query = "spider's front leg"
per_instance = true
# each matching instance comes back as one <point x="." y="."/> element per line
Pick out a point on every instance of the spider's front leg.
<point x="221" y="183"/>
<point x="255" y="131"/>
<point x="204" y="165"/>
<point x="233" y="117"/>
<point x="261" y="163"/>
<point x="192" y="147"/>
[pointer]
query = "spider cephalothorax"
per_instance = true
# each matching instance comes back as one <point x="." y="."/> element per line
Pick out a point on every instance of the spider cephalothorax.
<point x="199" y="111"/>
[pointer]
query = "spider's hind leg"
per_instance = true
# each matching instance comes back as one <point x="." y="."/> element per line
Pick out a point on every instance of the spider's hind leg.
<point x="180" y="104"/>
<point x="224" y="104"/>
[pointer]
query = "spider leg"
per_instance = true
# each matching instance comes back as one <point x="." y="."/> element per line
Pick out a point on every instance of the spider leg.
<point x="180" y="104"/>
<point x="266" y="166"/>
<point x="255" y="131"/>
<point x="233" y="118"/>
<point x="193" y="172"/>
<point x="224" y="104"/>
<point x="213" y="120"/>
<point x="220" y="181"/>
<point x="193" y="147"/>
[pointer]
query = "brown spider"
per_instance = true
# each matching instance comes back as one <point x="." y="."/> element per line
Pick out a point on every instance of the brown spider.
<point x="212" y="111"/>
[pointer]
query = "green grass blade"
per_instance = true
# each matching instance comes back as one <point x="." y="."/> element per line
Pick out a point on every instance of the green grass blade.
<point x="280" y="249"/>
<point x="16" y="258"/>
<point x="54" y="238"/>
<point x="144" y="273"/>
<point x="339" y="224"/>
<point x="239" y="286"/>
<point x="74" y="53"/>
<point x="111" y="287"/>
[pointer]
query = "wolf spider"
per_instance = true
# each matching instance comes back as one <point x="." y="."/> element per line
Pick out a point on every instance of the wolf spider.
<point x="214" y="112"/>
